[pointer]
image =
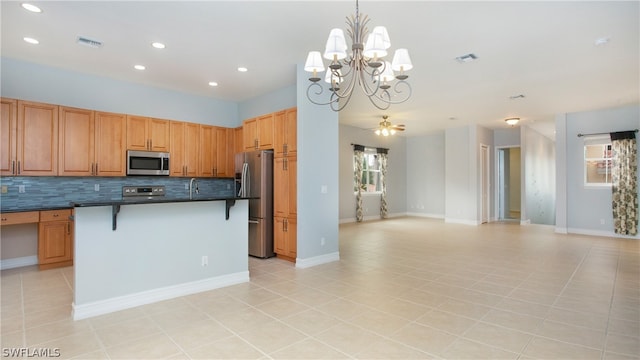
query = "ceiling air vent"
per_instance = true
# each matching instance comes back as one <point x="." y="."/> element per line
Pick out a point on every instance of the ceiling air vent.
<point x="89" y="42"/>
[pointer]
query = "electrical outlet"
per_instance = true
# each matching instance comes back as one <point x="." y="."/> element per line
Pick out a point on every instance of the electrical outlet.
<point x="21" y="189"/>
<point x="228" y="186"/>
<point x="601" y="221"/>
<point x="186" y="186"/>
<point x="322" y="241"/>
<point x="205" y="260"/>
<point x="96" y="187"/>
<point x="5" y="189"/>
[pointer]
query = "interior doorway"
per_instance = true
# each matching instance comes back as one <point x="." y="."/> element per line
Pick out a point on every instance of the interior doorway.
<point x="485" y="183"/>
<point x="509" y="183"/>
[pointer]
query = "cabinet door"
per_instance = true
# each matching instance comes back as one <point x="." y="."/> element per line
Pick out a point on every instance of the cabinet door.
<point x="238" y="143"/>
<point x="137" y="130"/>
<point x="159" y="135"/>
<point x="291" y="132"/>
<point x="279" y="241"/>
<point x="279" y="130"/>
<point x="265" y="132"/>
<point x="292" y="237"/>
<point x="207" y="151"/>
<point x="110" y="140"/>
<point x="221" y="150"/>
<point x="176" y="163"/>
<point x="292" y="185"/>
<point x="191" y="148"/>
<point x="54" y="242"/>
<point x="76" y="140"/>
<point x="8" y="119"/>
<point x="37" y="139"/>
<point x="280" y="188"/>
<point x="231" y="139"/>
<point x="250" y="134"/>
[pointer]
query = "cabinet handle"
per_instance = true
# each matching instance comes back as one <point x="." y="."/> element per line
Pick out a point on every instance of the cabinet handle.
<point x="255" y="141"/>
<point x="18" y="167"/>
<point x="285" y="149"/>
<point x="150" y="144"/>
<point x="68" y="228"/>
<point x="96" y="169"/>
<point x="13" y="167"/>
<point x="56" y="215"/>
<point x="4" y="219"/>
<point x="92" y="169"/>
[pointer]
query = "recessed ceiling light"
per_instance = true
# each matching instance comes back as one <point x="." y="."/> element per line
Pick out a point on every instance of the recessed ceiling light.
<point x="158" y="45"/>
<point x="213" y="83"/>
<point x="243" y="69"/>
<point x="139" y="67"/>
<point x="31" y="8"/>
<point x="31" y="40"/>
<point x="466" y="58"/>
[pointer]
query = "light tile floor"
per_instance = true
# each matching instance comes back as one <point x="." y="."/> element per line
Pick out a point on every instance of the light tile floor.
<point x="404" y="288"/>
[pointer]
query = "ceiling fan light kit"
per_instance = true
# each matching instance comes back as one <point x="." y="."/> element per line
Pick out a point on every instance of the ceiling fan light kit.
<point x="385" y="128"/>
<point x="384" y="83"/>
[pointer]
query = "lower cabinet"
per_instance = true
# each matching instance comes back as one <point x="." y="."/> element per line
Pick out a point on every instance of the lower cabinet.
<point x="285" y="241"/>
<point x="55" y="239"/>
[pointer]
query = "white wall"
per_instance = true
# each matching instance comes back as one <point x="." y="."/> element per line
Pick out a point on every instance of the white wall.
<point x="460" y="180"/>
<point x="396" y="174"/>
<point x="426" y="175"/>
<point x="29" y="81"/>
<point x="587" y="208"/>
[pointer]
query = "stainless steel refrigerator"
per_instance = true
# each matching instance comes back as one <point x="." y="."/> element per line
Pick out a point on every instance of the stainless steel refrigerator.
<point x="254" y="178"/>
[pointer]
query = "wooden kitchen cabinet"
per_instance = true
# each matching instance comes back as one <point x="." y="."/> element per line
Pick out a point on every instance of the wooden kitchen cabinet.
<point x="147" y="134"/>
<point x="285" y="133"/>
<point x="77" y="142"/>
<point x="207" y="151"/>
<point x="15" y="218"/>
<point x="285" y="186"/>
<point x="238" y="144"/>
<point x="55" y="239"/>
<point x="29" y="138"/>
<point x="258" y="133"/>
<point x="91" y="143"/>
<point x="224" y="164"/>
<point x="185" y="149"/>
<point x="8" y="127"/>
<point x="285" y="241"/>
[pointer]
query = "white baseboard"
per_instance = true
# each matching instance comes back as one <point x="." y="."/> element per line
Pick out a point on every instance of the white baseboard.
<point x="561" y="230"/>
<point x="18" y="262"/>
<point x="426" y="215"/>
<point x="600" y="233"/>
<point x="461" y="221"/>
<point x="317" y="260"/>
<point x="371" y="218"/>
<point x="147" y="297"/>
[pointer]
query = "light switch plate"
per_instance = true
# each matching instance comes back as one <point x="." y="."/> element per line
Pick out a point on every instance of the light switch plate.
<point x="5" y="189"/>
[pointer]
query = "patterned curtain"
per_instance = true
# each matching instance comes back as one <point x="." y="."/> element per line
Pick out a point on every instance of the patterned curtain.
<point x="382" y="160"/>
<point x="625" y="182"/>
<point x="358" y="158"/>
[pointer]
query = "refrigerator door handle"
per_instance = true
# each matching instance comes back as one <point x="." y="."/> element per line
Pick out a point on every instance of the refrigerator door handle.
<point x="254" y="222"/>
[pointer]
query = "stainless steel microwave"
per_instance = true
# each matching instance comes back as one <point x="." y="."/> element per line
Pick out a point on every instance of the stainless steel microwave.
<point x="147" y="163"/>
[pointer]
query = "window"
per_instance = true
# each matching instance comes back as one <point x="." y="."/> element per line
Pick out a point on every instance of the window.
<point x="370" y="173"/>
<point x="597" y="161"/>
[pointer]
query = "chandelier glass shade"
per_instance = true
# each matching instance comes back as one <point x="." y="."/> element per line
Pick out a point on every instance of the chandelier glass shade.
<point x="383" y="82"/>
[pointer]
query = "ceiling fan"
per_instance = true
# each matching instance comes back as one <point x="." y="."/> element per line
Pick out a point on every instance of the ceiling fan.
<point x="385" y="128"/>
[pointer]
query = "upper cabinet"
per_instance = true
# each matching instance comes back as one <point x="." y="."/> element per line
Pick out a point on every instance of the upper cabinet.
<point x="285" y="133"/>
<point x="216" y="151"/>
<point x="111" y="133"/>
<point x="185" y="149"/>
<point x="91" y="143"/>
<point x="29" y="138"/>
<point x="258" y="133"/>
<point x="149" y="134"/>
<point x="238" y="144"/>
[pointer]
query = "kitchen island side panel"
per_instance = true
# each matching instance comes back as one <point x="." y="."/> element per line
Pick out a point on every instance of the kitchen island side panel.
<point x="156" y="246"/>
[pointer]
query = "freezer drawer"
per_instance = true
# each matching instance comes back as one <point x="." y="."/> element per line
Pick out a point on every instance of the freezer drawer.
<point x="261" y="237"/>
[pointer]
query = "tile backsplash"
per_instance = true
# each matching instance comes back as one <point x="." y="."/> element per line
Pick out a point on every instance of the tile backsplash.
<point x="59" y="191"/>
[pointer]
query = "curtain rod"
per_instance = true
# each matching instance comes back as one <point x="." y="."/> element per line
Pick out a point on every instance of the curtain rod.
<point x="371" y="147"/>
<point x="581" y="135"/>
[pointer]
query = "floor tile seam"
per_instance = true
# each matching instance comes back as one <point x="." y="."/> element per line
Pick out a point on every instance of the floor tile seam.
<point x="519" y="352"/>
<point x="569" y="343"/>
<point x="477" y="342"/>
<point x="389" y="338"/>
<point x="613" y="290"/>
<point x="162" y="331"/>
<point x="22" y="311"/>
<point x="310" y="337"/>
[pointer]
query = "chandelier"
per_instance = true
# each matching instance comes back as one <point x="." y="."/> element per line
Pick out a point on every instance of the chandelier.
<point x="382" y="82"/>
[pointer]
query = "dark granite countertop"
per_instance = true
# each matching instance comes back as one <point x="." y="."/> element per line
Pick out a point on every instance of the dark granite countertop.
<point x="35" y="208"/>
<point x="155" y="200"/>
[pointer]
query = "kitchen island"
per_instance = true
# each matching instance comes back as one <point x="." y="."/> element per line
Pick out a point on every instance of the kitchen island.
<point x="134" y="252"/>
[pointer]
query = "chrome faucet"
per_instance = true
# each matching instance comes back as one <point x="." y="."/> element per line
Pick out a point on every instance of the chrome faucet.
<point x="191" y="188"/>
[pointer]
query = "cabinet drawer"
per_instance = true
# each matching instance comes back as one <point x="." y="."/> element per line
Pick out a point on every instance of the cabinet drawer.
<point x="55" y="215"/>
<point x="20" y="218"/>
